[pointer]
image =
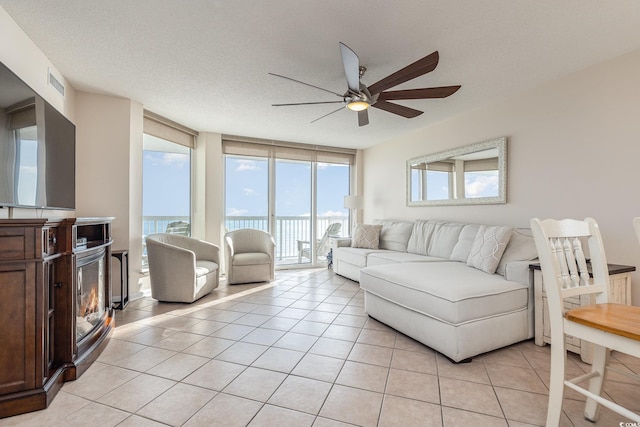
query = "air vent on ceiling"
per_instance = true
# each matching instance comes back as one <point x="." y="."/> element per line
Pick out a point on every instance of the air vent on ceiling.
<point x="55" y="83"/>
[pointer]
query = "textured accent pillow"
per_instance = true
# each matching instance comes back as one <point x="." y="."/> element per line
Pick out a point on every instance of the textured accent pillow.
<point x="366" y="236"/>
<point x="488" y="247"/>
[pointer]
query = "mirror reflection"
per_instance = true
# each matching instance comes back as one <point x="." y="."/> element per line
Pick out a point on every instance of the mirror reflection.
<point x="474" y="174"/>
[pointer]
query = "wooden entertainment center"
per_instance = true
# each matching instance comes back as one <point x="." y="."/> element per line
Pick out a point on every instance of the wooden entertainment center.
<point x="56" y="315"/>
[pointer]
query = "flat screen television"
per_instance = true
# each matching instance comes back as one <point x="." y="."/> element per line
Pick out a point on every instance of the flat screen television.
<point x="37" y="149"/>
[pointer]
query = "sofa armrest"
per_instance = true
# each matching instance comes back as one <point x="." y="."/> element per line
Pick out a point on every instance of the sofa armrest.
<point x="518" y="271"/>
<point x="340" y="242"/>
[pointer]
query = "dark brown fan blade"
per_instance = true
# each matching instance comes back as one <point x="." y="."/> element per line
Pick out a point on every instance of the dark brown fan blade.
<point x="425" y="93"/>
<point x="328" y="114"/>
<point x="307" y="103"/>
<point x="306" y="84"/>
<point x="363" y="118"/>
<point x="400" y="110"/>
<point x="418" y="68"/>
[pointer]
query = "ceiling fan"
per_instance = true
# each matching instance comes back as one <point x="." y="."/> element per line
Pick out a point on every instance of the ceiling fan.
<point x="360" y="97"/>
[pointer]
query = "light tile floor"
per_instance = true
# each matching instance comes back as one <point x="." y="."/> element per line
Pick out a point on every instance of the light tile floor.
<point x="299" y="352"/>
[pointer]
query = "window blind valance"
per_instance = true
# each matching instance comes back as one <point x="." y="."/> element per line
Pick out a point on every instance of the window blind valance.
<point x="22" y="114"/>
<point x="481" y="165"/>
<point x="169" y="130"/>
<point x="286" y="150"/>
<point x="23" y="118"/>
<point x="440" y="166"/>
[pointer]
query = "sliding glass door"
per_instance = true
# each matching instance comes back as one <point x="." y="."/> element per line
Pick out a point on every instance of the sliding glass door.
<point x="332" y="184"/>
<point x="166" y="189"/>
<point x="247" y="193"/>
<point x="291" y="194"/>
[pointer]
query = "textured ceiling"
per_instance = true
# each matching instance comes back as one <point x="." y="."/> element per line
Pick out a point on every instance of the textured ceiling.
<point x="205" y="63"/>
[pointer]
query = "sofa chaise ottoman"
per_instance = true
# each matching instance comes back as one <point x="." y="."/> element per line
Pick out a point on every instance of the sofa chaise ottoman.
<point x="461" y="289"/>
<point x="453" y="308"/>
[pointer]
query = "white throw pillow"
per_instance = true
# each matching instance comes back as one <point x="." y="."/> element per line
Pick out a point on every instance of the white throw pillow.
<point x="488" y="247"/>
<point x="366" y="236"/>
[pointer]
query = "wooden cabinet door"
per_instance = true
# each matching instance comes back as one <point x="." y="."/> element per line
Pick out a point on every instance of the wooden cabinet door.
<point x="18" y="335"/>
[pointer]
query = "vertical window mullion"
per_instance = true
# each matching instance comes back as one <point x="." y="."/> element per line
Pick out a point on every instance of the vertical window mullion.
<point x="314" y="212"/>
<point x="272" y="196"/>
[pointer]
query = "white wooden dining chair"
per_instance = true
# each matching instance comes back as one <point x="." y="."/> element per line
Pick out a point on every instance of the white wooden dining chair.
<point x="566" y="273"/>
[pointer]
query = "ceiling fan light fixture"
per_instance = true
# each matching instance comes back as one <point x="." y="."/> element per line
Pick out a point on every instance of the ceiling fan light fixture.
<point x="358" y="105"/>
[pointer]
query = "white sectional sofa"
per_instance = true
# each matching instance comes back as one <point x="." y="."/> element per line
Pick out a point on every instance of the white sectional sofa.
<point x="428" y="280"/>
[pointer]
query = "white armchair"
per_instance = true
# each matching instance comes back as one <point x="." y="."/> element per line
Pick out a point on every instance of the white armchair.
<point x="181" y="268"/>
<point x="250" y="256"/>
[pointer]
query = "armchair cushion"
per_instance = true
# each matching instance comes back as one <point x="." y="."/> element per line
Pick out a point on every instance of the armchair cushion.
<point x="251" y="258"/>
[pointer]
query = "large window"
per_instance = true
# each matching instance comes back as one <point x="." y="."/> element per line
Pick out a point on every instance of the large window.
<point x="166" y="178"/>
<point x="166" y="187"/>
<point x="292" y="192"/>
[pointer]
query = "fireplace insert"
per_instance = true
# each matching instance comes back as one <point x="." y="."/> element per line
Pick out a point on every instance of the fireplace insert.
<point x="90" y="292"/>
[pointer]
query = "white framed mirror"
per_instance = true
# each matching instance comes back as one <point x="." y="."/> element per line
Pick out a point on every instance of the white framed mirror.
<point x="471" y="175"/>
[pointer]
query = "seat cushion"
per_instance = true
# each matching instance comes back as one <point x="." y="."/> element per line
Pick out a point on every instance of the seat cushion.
<point x="205" y="267"/>
<point x="449" y="291"/>
<point x="390" y="257"/>
<point x="251" y="258"/>
<point x="355" y="256"/>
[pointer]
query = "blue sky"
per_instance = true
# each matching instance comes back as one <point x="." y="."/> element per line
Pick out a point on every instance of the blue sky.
<point x="247" y="188"/>
<point x="476" y="184"/>
<point x="166" y="186"/>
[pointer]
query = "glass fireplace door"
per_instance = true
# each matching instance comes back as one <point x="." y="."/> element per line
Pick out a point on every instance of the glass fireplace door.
<point x="90" y="292"/>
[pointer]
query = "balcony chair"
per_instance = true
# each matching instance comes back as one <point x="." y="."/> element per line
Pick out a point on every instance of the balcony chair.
<point x="250" y="256"/>
<point x="181" y="268"/>
<point x="607" y="326"/>
<point x="179" y="227"/>
<point x="322" y="245"/>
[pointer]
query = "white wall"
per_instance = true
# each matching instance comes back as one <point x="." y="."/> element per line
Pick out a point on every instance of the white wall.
<point x="208" y="191"/>
<point x="109" y="171"/>
<point x="573" y="151"/>
<point x="25" y="59"/>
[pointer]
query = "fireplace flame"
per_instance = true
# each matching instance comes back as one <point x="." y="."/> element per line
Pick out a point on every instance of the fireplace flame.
<point x="89" y="303"/>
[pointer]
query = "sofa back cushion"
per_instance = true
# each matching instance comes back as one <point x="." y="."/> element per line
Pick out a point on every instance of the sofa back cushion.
<point x="444" y="238"/>
<point x="421" y="236"/>
<point x="394" y="234"/>
<point x="521" y="247"/>
<point x="462" y="249"/>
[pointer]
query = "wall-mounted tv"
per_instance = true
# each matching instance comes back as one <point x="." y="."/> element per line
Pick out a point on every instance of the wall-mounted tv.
<point x="37" y="149"/>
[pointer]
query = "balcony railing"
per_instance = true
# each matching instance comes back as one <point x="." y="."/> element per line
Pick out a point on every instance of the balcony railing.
<point x="289" y="229"/>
